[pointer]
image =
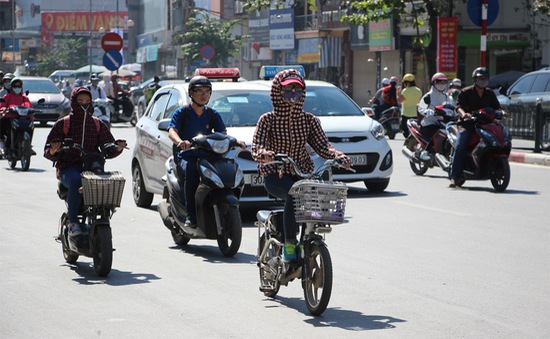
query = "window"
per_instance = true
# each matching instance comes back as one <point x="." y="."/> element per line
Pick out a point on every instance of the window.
<point x="522" y="86"/>
<point x="157" y="108"/>
<point x="542" y="81"/>
<point x="173" y="104"/>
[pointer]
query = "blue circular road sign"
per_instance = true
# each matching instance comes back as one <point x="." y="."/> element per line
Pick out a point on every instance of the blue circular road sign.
<point x="474" y="11"/>
<point x="112" y="59"/>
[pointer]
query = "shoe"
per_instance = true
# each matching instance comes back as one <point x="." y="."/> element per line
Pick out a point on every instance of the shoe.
<point x="2" y="147"/>
<point x="289" y="252"/>
<point x="74" y="230"/>
<point x="189" y="223"/>
<point x="425" y="156"/>
<point x="454" y="183"/>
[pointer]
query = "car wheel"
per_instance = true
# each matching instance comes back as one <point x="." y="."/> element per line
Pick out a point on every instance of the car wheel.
<point x="142" y="198"/>
<point x="377" y="186"/>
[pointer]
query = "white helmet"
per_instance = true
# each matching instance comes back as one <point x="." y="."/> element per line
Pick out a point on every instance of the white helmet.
<point x="456" y="83"/>
<point x="385" y="82"/>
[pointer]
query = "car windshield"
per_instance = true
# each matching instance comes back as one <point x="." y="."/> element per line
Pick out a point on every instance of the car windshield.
<point x="40" y="86"/>
<point x="244" y="108"/>
<point x="241" y="108"/>
<point x="329" y="101"/>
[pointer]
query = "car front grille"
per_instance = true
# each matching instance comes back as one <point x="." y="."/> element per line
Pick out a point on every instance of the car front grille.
<point x="46" y="106"/>
<point x="347" y="139"/>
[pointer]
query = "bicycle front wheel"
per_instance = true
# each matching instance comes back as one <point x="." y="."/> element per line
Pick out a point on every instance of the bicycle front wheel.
<point x="317" y="279"/>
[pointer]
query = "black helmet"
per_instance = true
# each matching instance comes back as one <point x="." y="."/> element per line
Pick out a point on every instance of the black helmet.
<point x="199" y="81"/>
<point x="480" y="72"/>
<point x="94" y="77"/>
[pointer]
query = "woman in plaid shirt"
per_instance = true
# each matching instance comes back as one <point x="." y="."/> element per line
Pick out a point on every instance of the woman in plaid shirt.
<point x="83" y="130"/>
<point x="286" y="130"/>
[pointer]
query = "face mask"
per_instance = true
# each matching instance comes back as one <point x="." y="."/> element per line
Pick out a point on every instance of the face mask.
<point x="85" y="107"/>
<point x="441" y="87"/>
<point x="292" y="96"/>
<point x="17" y="90"/>
<point x="482" y="83"/>
<point x="7" y="85"/>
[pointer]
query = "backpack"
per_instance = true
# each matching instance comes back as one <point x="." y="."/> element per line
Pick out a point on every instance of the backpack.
<point x="387" y="97"/>
<point x="186" y="111"/>
<point x="67" y="124"/>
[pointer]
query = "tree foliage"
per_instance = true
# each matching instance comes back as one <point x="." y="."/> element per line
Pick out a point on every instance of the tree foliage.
<point x="69" y="53"/>
<point x="203" y="30"/>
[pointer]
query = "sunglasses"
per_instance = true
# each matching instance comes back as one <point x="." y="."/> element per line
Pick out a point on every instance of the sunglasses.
<point x="441" y="81"/>
<point x="16" y="86"/>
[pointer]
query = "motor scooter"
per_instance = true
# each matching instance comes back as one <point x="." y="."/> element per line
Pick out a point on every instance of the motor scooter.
<point x="390" y="119"/>
<point x="216" y="198"/>
<point x="416" y="142"/>
<point x="124" y="110"/>
<point x="102" y="193"/>
<point x="21" y="130"/>
<point x="488" y="149"/>
<point x="102" y="110"/>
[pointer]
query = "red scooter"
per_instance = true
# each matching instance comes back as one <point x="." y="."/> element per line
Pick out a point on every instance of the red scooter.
<point x="416" y="143"/>
<point x="488" y="149"/>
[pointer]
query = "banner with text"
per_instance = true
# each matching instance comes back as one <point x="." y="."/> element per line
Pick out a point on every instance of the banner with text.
<point x="447" y="30"/>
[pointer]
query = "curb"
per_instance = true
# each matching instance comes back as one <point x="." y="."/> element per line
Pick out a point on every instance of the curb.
<point x="530" y="158"/>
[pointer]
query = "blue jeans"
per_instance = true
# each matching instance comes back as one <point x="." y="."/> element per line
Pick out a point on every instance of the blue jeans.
<point x="457" y="161"/>
<point x="70" y="178"/>
<point x="279" y="188"/>
<point x="192" y="180"/>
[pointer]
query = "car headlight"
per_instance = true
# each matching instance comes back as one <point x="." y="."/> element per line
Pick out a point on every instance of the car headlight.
<point x="212" y="176"/>
<point x="377" y="130"/>
<point x="219" y="146"/>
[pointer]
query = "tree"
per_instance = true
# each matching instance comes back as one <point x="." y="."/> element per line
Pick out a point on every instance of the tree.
<point x="64" y="54"/>
<point x="203" y="30"/>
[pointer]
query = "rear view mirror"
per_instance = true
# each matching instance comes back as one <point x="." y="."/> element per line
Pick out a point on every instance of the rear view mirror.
<point x="427" y="100"/>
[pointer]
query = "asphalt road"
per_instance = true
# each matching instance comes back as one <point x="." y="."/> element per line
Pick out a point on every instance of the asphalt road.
<point x="419" y="261"/>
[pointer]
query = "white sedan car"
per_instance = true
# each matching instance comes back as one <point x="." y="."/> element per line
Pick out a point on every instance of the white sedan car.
<point x="240" y="104"/>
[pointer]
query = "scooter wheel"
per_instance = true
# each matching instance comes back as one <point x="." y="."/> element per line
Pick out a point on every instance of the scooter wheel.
<point x="103" y="250"/>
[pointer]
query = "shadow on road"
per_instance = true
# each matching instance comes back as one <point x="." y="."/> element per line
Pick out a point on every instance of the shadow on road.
<point x="115" y="277"/>
<point x="336" y="317"/>
<point x="210" y="253"/>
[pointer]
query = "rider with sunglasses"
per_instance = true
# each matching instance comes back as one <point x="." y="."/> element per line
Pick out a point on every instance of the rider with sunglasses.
<point x="14" y="98"/>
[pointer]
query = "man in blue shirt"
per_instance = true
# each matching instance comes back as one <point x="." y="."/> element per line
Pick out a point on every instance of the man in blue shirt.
<point x="187" y="122"/>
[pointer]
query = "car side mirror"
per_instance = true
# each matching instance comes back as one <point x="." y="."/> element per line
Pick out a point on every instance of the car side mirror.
<point x="27" y="92"/>
<point x="163" y="124"/>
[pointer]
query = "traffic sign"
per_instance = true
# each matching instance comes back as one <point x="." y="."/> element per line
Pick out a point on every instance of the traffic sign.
<point x="474" y="11"/>
<point x="112" y="59"/>
<point x="112" y="41"/>
<point x="207" y="52"/>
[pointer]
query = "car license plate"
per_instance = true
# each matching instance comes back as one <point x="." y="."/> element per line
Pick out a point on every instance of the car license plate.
<point x="358" y="159"/>
<point x="256" y="180"/>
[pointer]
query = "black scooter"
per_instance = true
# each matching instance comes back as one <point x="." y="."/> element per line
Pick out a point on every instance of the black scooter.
<point x="123" y="110"/>
<point x="102" y="193"/>
<point x="216" y="198"/>
<point x="21" y="127"/>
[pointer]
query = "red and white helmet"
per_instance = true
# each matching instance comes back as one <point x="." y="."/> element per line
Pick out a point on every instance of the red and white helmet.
<point x="439" y="77"/>
<point x="394" y="79"/>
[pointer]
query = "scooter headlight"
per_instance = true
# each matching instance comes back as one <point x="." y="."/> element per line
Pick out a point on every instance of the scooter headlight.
<point x="219" y="146"/>
<point x="212" y="176"/>
<point x="239" y="177"/>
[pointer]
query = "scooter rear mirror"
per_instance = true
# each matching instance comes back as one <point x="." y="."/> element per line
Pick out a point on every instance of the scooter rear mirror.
<point x="427" y="100"/>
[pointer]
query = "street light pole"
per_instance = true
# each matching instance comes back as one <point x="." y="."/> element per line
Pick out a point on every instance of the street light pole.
<point x="90" y="39"/>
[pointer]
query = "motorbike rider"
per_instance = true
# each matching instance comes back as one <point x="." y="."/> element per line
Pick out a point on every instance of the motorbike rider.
<point x="151" y="89"/>
<point x="408" y="97"/>
<point x="113" y="91"/>
<point x="6" y="84"/>
<point x="96" y="91"/>
<point x="455" y="88"/>
<point x="16" y="97"/>
<point x="287" y="129"/>
<point x="437" y="95"/>
<point x="389" y="98"/>
<point x="186" y="123"/>
<point x="69" y="165"/>
<point x="472" y="98"/>
<point x="377" y="99"/>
